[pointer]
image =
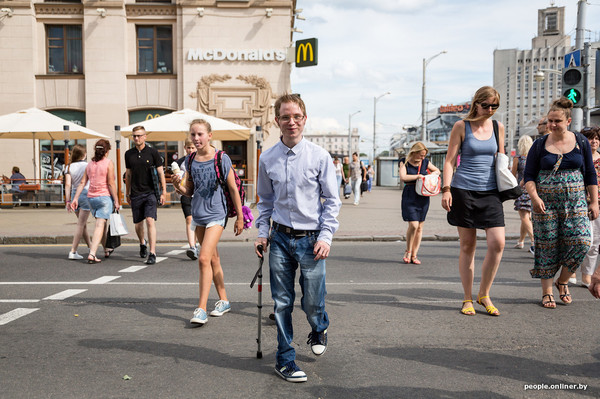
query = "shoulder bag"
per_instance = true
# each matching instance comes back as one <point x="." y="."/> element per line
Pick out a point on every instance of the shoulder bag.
<point x="428" y="185"/>
<point x="508" y="187"/>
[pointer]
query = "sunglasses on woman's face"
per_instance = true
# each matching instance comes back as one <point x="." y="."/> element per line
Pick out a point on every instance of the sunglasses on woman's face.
<point x="486" y="106"/>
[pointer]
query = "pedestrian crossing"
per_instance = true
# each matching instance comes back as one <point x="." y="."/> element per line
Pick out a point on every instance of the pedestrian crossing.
<point x="17" y="313"/>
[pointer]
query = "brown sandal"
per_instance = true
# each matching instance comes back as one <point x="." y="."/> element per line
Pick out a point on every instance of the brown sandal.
<point x="550" y="302"/>
<point x="565" y="295"/>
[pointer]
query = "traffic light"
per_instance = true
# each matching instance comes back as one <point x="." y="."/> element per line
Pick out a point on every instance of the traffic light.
<point x="572" y="85"/>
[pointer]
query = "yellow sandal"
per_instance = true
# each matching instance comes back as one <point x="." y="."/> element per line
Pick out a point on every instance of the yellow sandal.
<point x="469" y="311"/>
<point x="490" y="309"/>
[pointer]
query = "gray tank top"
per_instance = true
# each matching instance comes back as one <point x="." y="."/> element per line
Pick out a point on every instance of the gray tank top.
<point x="476" y="169"/>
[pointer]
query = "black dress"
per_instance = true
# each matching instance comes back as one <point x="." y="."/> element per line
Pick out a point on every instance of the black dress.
<point x="414" y="206"/>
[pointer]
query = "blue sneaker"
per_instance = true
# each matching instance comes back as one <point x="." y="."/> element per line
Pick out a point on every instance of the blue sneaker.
<point x="221" y="307"/>
<point x="200" y="316"/>
<point x="290" y="372"/>
<point x="317" y="342"/>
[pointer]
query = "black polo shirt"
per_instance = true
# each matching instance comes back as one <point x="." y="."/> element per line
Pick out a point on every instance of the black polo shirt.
<point x="140" y="164"/>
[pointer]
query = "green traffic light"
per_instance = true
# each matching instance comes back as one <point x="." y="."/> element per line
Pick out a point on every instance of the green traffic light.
<point x="573" y="95"/>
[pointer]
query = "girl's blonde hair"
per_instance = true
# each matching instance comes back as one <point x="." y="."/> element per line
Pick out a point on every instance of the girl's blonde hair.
<point x="481" y="95"/>
<point x="524" y="144"/>
<point x="417" y="147"/>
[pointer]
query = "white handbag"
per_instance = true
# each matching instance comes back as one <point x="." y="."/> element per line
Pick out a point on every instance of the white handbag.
<point x="507" y="184"/>
<point x="117" y="225"/>
<point x="428" y="185"/>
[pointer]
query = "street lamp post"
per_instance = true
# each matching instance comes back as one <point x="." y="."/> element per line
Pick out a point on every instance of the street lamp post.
<point x="426" y="61"/>
<point x="66" y="140"/>
<point x="375" y="99"/>
<point x="119" y="178"/>
<point x="350" y="135"/>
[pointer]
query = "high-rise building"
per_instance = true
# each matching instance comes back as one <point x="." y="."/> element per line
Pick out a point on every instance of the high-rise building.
<point x="523" y="100"/>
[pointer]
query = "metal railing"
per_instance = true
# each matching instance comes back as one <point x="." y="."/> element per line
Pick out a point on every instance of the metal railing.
<point x="33" y="192"/>
<point x="51" y="192"/>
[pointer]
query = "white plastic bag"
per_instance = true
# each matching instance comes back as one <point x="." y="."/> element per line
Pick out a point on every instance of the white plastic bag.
<point x="117" y="225"/>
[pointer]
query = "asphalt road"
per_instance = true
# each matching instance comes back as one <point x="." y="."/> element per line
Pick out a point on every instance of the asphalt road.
<point x="395" y="329"/>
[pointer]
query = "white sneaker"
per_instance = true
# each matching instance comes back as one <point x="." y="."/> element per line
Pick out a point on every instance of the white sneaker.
<point x="192" y="253"/>
<point x="74" y="256"/>
<point x="573" y="280"/>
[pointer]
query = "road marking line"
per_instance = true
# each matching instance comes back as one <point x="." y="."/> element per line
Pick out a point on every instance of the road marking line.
<point x="19" y="300"/>
<point x="161" y="258"/>
<point x="63" y="295"/>
<point x="15" y="314"/>
<point x="104" y="279"/>
<point x="132" y="269"/>
<point x="175" y="252"/>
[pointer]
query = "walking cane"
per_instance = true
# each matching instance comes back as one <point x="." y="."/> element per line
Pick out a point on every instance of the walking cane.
<point x="259" y="305"/>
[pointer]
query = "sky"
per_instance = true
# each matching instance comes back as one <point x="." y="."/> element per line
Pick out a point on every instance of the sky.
<point x="370" y="47"/>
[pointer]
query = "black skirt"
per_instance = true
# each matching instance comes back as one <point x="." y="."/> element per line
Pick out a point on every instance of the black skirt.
<point x="475" y="209"/>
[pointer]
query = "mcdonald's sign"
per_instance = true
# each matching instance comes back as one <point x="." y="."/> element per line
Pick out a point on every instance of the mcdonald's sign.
<point x="306" y="52"/>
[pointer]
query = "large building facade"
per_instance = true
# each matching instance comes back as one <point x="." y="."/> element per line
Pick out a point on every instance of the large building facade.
<point x="523" y="99"/>
<point x="107" y="63"/>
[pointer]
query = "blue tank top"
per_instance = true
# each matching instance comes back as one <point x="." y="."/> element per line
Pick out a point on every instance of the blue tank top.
<point x="476" y="170"/>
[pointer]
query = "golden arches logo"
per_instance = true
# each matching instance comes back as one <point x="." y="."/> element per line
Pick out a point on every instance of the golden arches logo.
<point x="303" y="49"/>
<point x="307" y="52"/>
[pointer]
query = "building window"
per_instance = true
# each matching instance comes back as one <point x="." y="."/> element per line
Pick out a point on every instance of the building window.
<point x="551" y="21"/>
<point x="52" y="157"/>
<point x="64" y="45"/>
<point x="155" y="49"/>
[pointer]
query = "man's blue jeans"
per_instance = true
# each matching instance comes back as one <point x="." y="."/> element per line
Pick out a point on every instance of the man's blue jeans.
<point x="287" y="253"/>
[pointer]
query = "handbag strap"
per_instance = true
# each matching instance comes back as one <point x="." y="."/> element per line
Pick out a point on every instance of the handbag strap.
<point x="495" y="125"/>
<point x="419" y="169"/>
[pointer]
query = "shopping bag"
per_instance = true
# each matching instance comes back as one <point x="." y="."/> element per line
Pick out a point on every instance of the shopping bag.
<point x="347" y="190"/>
<point x="112" y="241"/>
<point x="117" y="224"/>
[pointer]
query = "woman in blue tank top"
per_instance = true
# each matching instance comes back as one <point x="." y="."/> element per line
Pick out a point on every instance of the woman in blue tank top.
<point x="471" y="195"/>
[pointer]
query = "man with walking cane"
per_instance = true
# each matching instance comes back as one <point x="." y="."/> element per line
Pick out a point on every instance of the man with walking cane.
<point x="298" y="191"/>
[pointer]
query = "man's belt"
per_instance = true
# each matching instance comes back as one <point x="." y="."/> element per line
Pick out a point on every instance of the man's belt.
<point x="288" y="230"/>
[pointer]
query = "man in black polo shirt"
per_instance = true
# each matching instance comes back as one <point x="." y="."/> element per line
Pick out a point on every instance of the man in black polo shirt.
<point x="140" y="191"/>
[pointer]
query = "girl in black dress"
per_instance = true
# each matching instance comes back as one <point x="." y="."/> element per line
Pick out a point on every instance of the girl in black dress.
<point x="414" y="206"/>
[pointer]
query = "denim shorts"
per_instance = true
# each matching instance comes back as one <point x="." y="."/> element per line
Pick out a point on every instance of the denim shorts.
<point x="83" y="204"/>
<point x="209" y="224"/>
<point x="102" y="206"/>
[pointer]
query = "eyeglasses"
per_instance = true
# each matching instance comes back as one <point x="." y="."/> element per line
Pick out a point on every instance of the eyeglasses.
<point x="486" y="106"/>
<point x="137" y="136"/>
<point x="286" y="118"/>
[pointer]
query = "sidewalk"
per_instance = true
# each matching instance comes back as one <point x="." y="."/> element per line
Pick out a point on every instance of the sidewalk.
<point x="378" y="217"/>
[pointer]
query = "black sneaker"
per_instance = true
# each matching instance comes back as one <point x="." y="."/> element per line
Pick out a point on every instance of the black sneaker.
<point x="290" y="372"/>
<point x="151" y="259"/>
<point x="144" y="249"/>
<point x="317" y="342"/>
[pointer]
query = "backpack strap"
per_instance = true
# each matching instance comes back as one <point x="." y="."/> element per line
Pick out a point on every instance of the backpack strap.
<point x="188" y="163"/>
<point x="219" y="169"/>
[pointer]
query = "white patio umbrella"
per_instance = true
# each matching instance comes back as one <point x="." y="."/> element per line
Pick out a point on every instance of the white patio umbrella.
<point x="176" y="125"/>
<point x="34" y="123"/>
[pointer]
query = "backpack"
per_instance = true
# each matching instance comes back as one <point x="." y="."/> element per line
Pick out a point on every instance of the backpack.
<point x="231" y="212"/>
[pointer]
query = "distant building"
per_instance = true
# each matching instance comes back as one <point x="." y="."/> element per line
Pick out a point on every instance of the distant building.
<point x="334" y="142"/>
<point x="523" y="100"/>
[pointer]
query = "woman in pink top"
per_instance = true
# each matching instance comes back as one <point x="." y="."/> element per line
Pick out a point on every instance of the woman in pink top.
<point x="101" y="175"/>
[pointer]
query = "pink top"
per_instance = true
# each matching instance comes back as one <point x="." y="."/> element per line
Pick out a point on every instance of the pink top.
<point x="96" y="173"/>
